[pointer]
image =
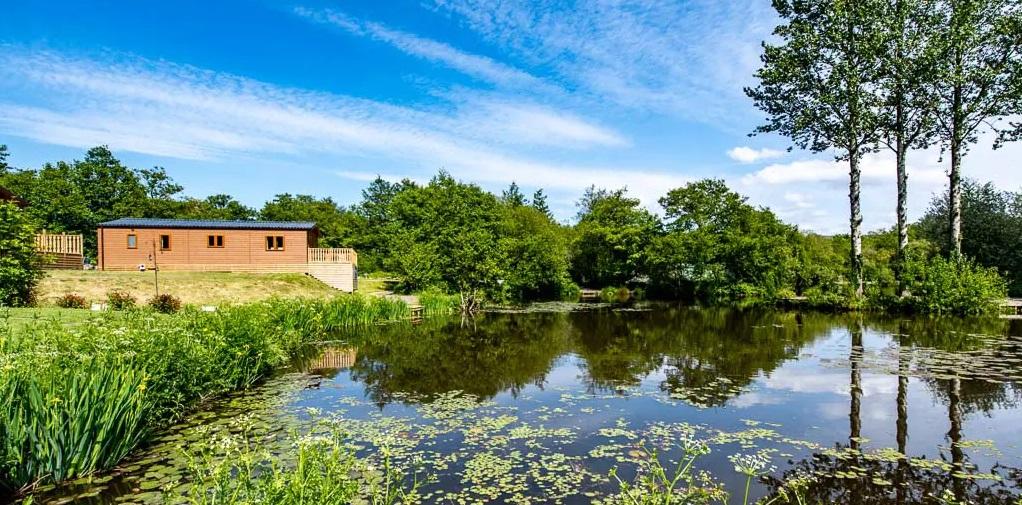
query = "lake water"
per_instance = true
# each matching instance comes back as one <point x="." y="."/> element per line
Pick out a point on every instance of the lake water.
<point x="540" y="406"/>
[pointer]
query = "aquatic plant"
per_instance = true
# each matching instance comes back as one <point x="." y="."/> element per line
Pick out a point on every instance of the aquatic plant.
<point x="317" y="468"/>
<point x="437" y="303"/>
<point x="77" y="399"/>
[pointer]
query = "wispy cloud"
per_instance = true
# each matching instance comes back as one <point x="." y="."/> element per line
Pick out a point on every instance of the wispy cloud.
<point x="677" y="58"/>
<point x="745" y="154"/>
<point x="181" y="111"/>
<point x="477" y="66"/>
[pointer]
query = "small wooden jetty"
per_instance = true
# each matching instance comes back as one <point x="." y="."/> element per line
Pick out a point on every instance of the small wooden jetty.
<point x="589" y="295"/>
<point x="416" y="313"/>
<point x="1012" y="306"/>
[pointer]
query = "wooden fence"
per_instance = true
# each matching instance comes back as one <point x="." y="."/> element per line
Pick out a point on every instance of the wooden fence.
<point x="332" y="255"/>
<point x="58" y="243"/>
<point x="60" y="251"/>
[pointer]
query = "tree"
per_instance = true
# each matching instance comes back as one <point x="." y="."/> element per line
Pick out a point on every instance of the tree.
<point x="513" y="196"/>
<point x="4" y="167"/>
<point x="19" y="263"/>
<point x="719" y="247"/>
<point x="907" y="92"/>
<point x="994" y="221"/>
<point x="816" y="88"/>
<point x="161" y="192"/>
<point x="979" y="61"/>
<point x="611" y="236"/>
<point x="220" y="206"/>
<point x="446" y="234"/>
<point x="539" y="202"/>
<point x="336" y="224"/>
<point x="377" y="220"/>
<point x="536" y="250"/>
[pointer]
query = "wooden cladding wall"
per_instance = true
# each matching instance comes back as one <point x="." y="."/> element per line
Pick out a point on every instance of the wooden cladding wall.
<point x="188" y="249"/>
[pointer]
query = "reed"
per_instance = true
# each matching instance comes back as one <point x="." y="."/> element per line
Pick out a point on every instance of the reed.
<point x="77" y="399"/>
<point x="438" y="303"/>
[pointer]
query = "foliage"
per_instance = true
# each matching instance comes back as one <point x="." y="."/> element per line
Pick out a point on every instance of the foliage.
<point x="220" y="206"/>
<point x="165" y="303"/>
<point x="317" y="468"/>
<point x="609" y="241"/>
<point x="77" y="399"/>
<point x="435" y="302"/>
<point x="19" y="263"/>
<point x="993" y="219"/>
<point x="536" y="249"/>
<point x="336" y="224"/>
<point x="720" y="248"/>
<point x="953" y="285"/>
<point x="120" y="300"/>
<point x="72" y="301"/>
<point x="816" y="88"/>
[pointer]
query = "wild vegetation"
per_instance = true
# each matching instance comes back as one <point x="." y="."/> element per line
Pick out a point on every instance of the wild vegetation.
<point x="19" y="266"/>
<point x="77" y="398"/>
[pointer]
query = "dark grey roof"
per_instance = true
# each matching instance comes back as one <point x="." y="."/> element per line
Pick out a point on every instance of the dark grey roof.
<point x="207" y="224"/>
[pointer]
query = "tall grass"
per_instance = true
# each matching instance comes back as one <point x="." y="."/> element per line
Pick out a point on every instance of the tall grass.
<point x="76" y="399"/>
<point x="437" y="303"/>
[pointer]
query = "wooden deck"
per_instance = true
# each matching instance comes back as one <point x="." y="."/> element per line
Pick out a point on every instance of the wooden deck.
<point x="1012" y="306"/>
<point x="60" y="251"/>
<point x="336" y="267"/>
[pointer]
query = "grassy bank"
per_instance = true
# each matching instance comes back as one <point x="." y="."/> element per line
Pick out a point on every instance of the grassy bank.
<point x="193" y="288"/>
<point x="77" y="396"/>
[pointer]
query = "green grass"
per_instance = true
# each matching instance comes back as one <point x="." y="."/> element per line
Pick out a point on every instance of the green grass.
<point x="80" y="390"/>
<point x="193" y="288"/>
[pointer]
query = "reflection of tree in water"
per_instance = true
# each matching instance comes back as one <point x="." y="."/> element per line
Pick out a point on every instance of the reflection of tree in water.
<point x="698" y="346"/>
<point x="847" y="475"/>
<point x="483" y="357"/>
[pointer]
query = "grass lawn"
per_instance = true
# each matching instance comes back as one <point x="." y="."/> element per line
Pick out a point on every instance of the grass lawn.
<point x="194" y="288"/>
<point x="19" y="318"/>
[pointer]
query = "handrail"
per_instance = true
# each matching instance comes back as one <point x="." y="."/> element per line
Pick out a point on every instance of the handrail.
<point x="333" y="255"/>
<point x="58" y="243"/>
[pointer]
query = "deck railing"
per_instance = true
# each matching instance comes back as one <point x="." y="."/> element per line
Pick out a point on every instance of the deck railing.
<point x="58" y="243"/>
<point x="332" y="255"/>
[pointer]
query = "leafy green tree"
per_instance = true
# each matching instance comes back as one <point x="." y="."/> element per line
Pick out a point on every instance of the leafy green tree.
<point x="816" y="88"/>
<point x="161" y="192"/>
<point x="513" y="196"/>
<point x="19" y="264"/>
<point x="4" y="167"/>
<point x="337" y="225"/>
<point x="979" y="68"/>
<point x="611" y="236"/>
<point x="536" y="249"/>
<point x="377" y="223"/>
<point x="908" y="91"/>
<point x="447" y="234"/>
<point x="539" y="203"/>
<point x="994" y="221"/>
<point x="721" y="248"/>
<point x="220" y="206"/>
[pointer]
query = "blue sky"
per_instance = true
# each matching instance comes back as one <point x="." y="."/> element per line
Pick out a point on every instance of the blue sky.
<point x="256" y="98"/>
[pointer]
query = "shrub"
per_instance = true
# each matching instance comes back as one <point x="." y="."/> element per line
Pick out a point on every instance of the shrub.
<point x="612" y="294"/>
<point x="165" y="303"/>
<point x="435" y="302"/>
<point x="607" y="294"/>
<point x="72" y="301"/>
<point x="570" y="292"/>
<point x="953" y="286"/>
<point x="120" y="300"/>
<point x="19" y="263"/>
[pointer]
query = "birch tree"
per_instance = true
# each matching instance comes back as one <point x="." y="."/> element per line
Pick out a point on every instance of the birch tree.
<point x="980" y="55"/>
<point x="818" y="87"/>
<point x="908" y="93"/>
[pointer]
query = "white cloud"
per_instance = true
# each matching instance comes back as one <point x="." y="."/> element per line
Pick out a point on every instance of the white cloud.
<point x="184" y="112"/>
<point x="745" y="154"/>
<point x="688" y="59"/>
<point x="477" y="66"/>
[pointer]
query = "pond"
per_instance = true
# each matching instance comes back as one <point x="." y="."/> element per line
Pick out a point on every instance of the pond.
<point x="541" y="405"/>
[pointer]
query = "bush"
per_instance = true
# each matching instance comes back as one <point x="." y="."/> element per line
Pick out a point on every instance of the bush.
<point x="166" y="304"/>
<point x="570" y="292"/>
<point x="612" y="294"/>
<point x="19" y="263"/>
<point x="953" y="286"/>
<point x="72" y="301"/>
<point x="120" y="300"/>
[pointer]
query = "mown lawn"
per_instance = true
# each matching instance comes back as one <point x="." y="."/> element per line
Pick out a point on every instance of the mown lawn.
<point x="194" y="288"/>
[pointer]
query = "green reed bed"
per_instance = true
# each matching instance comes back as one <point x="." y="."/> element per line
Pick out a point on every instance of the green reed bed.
<point x="437" y="303"/>
<point x="75" y="399"/>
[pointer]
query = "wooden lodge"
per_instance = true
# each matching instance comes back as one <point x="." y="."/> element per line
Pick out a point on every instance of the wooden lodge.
<point x="223" y="246"/>
<point x="7" y="195"/>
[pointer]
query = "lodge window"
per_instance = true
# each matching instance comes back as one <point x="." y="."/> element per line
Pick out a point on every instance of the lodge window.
<point x="132" y="241"/>
<point x="215" y="241"/>
<point x="275" y="243"/>
<point x="164" y="242"/>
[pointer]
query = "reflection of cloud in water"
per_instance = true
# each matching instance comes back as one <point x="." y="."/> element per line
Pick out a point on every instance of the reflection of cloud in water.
<point x="754" y="399"/>
<point x="806" y="380"/>
<point x="839" y="410"/>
